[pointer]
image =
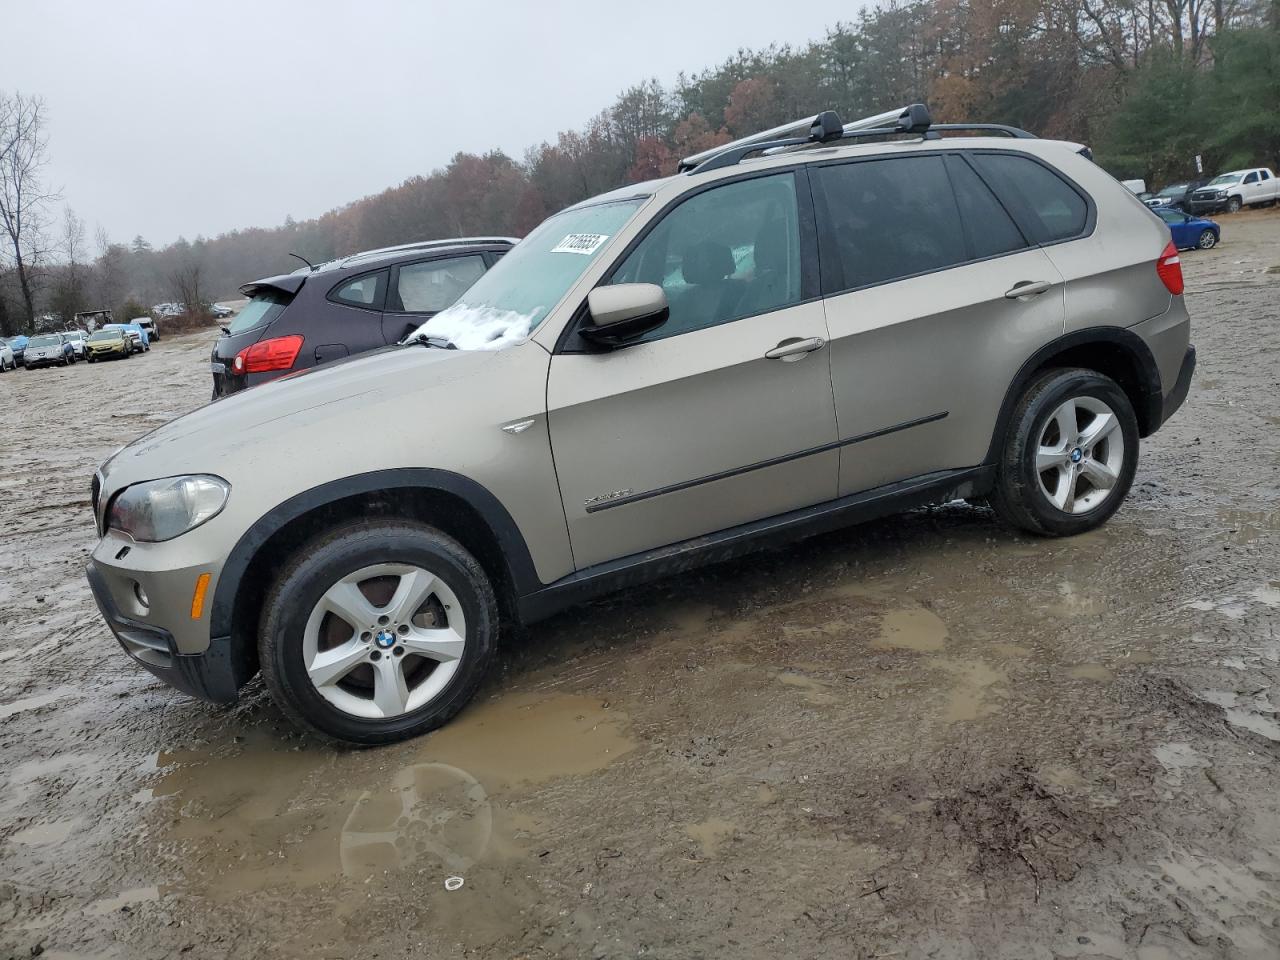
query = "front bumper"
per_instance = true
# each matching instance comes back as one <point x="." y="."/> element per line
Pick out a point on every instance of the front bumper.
<point x="160" y="634"/>
<point x="111" y="352"/>
<point x="1178" y="394"/>
<point x="1205" y="206"/>
<point x="32" y="363"/>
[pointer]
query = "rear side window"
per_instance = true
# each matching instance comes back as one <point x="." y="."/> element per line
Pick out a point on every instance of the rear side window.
<point x="1053" y="209"/>
<point x="366" y="291"/>
<point x="263" y="308"/>
<point x="990" y="229"/>
<point x="431" y="286"/>
<point x="888" y="219"/>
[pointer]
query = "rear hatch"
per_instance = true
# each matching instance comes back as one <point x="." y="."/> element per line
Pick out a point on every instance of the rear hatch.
<point x="267" y="300"/>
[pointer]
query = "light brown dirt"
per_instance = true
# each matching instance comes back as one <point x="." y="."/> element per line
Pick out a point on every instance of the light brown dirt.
<point x="926" y="737"/>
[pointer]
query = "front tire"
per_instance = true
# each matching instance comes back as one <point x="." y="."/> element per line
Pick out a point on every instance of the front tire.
<point x="1069" y="456"/>
<point x="1233" y="205"/>
<point x="377" y="632"/>
<point x="1206" y="241"/>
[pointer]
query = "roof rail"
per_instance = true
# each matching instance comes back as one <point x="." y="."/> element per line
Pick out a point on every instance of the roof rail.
<point x="1016" y="132"/>
<point x="822" y="128"/>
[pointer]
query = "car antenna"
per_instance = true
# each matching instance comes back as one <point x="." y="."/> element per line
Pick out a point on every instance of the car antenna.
<point x="304" y="260"/>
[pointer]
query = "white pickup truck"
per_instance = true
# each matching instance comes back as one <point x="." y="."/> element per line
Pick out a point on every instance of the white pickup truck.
<point x="1240" y="188"/>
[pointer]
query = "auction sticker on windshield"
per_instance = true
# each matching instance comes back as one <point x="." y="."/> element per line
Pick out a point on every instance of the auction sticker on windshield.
<point x="584" y="243"/>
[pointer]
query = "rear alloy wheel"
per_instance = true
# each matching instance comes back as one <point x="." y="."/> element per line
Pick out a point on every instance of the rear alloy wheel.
<point x="1207" y="240"/>
<point x="378" y="632"/>
<point x="1070" y="455"/>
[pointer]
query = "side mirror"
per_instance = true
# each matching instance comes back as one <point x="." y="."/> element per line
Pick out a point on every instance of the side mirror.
<point x="620" y="313"/>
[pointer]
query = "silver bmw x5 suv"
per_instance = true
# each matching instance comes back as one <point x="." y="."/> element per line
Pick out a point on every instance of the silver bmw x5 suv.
<point x="800" y="331"/>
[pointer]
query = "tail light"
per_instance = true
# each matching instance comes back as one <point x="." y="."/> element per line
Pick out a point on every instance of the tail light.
<point x="1169" y="268"/>
<point x="278" y="353"/>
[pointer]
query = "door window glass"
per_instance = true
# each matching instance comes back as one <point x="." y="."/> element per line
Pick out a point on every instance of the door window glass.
<point x="1251" y="178"/>
<point x="891" y="218"/>
<point x="363" y="291"/>
<point x="430" y="287"/>
<point x="1056" y="210"/>
<point x="723" y="254"/>
<point x="990" y="229"/>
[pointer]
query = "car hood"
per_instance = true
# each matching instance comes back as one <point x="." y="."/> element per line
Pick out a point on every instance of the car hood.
<point x="197" y="441"/>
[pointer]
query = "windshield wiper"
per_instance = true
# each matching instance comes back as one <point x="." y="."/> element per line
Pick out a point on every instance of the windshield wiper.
<point x="429" y="341"/>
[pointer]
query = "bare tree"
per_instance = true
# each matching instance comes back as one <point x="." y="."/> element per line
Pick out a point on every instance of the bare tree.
<point x="111" y="271"/>
<point x="22" y="198"/>
<point x="69" y="294"/>
<point x="186" y="284"/>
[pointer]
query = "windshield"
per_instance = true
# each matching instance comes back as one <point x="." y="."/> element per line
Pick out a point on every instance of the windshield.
<point x="263" y="308"/>
<point x="1173" y="190"/>
<point x="507" y="303"/>
<point x="1224" y="178"/>
<point x="44" y="341"/>
<point x="106" y="335"/>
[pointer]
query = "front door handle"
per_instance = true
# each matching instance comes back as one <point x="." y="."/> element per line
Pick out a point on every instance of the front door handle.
<point x="1027" y="288"/>
<point x="795" y="348"/>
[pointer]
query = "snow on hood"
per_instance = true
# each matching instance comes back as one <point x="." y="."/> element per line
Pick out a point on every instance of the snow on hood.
<point x="478" y="328"/>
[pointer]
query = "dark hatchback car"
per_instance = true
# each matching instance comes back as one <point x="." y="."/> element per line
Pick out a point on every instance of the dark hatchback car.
<point x="344" y="307"/>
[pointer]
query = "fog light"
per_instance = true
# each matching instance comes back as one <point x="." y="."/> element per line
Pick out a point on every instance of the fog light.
<point x="141" y="594"/>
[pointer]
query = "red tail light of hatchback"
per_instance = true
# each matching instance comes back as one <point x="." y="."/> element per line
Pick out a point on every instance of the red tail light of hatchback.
<point x="278" y="353"/>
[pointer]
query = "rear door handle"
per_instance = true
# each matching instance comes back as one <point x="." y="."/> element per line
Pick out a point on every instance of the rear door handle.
<point x="1027" y="288"/>
<point x="795" y="348"/>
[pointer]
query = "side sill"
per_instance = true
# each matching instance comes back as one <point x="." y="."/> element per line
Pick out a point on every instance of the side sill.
<point x="661" y="562"/>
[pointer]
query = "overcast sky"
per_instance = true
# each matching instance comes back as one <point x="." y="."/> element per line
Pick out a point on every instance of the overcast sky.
<point x="169" y="118"/>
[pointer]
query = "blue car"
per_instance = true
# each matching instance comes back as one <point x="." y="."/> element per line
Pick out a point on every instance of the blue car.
<point x="18" y="345"/>
<point x="141" y="339"/>
<point x="1189" y="231"/>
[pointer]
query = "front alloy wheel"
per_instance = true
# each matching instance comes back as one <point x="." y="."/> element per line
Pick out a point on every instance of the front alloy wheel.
<point x="384" y="641"/>
<point x="1207" y="240"/>
<point x="378" y="631"/>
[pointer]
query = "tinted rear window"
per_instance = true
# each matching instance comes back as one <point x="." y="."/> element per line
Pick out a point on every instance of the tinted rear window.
<point x="1054" y="210"/>
<point x="990" y="228"/>
<point x="890" y="218"/>
<point x="263" y="308"/>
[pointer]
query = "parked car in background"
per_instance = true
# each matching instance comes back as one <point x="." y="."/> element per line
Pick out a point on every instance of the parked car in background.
<point x="1175" y="195"/>
<point x="77" y="338"/>
<point x="1254" y="187"/>
<point x="654" y="378"/>
<point x="18" y="345"/>
<point x="48" y="349"/>
<point x="1136" y="187"/>
<point x="109" y="343"/>
<point x="220" y="311"/>
<point x="93" y="319"/>
<point x="7" y="361"/>
<point x="345" y="307"/>
<point x="149" y="325"/>
<point x="141" y="341"/>
<point x="1189" y="231"/>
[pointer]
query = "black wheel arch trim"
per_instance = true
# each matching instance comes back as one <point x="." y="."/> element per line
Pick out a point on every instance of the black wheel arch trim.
<point x="1149" y="409"/>
<point x="515" y="551"/>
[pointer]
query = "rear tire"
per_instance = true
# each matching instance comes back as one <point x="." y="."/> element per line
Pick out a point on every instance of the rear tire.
<point x="1069" y="456"/>
<point x="374" y="697"/>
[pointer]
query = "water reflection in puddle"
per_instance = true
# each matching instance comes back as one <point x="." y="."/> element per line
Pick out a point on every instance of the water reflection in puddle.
<point x="264" y="814"/>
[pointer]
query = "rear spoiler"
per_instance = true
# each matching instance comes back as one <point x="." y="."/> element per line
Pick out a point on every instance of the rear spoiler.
<point x="285" y="283"/>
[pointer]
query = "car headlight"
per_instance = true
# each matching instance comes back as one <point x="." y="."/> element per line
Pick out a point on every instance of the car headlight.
<point x="163" y="509"/>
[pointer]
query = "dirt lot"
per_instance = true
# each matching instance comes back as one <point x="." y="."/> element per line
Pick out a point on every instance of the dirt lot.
<point x="927" y="737"/>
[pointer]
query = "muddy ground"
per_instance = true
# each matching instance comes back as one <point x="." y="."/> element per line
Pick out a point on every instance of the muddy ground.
<point x="926" y="737"/>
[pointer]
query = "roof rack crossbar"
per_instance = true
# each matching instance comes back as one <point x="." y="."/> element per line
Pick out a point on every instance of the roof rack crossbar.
<point x="824" y="128"/>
